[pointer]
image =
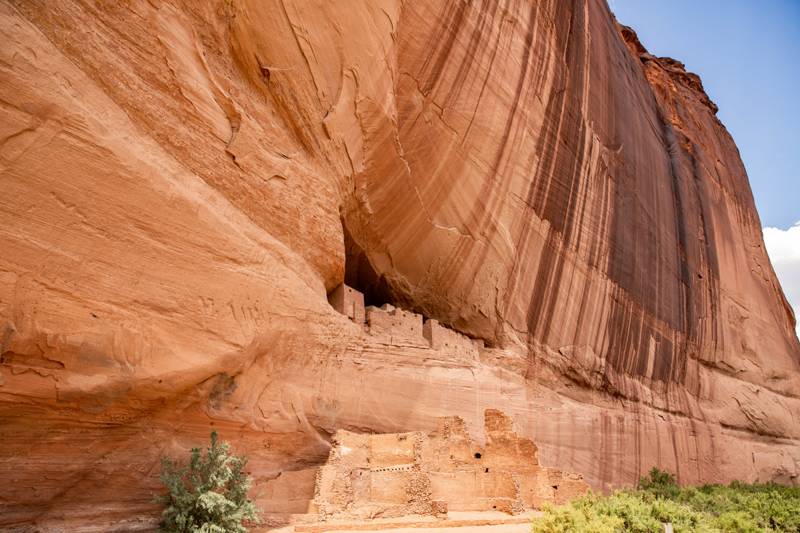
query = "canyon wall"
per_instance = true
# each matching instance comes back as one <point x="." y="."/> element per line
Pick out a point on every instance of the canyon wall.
<point x="183" y="183"/>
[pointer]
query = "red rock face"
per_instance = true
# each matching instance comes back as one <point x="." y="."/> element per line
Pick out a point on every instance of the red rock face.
<point x="178" y="182"/>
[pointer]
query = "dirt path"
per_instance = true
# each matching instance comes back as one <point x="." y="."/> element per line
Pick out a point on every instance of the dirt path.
<point x="478" y="522"/>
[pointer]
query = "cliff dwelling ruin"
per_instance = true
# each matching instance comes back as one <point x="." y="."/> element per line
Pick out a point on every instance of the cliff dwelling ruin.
<point x="416" y="473"/>
<point x="399" y="327"/>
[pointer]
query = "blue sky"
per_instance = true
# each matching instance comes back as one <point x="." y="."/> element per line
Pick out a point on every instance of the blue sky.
<point x="747" y="53"/>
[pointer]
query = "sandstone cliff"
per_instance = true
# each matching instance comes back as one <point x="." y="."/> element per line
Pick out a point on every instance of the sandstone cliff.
<point x="182" y="183"/>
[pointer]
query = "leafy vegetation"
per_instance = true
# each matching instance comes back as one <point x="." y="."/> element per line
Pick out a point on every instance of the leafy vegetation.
<point x="209" y="495"/>
<point x="658" y="499"/>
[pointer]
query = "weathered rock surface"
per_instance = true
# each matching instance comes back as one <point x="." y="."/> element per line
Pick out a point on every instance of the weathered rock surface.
<point x="182" y="183"/>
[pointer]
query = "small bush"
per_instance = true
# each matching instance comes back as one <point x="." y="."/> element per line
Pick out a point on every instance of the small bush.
<point x="659" y="483"/>
<point x="209" y="495"/>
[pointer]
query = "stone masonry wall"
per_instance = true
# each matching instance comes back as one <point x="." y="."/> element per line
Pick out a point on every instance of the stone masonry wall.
<point x="389" y="475"/>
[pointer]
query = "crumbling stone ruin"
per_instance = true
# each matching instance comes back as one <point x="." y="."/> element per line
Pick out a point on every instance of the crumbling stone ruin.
<point x="399" y="327"/>
<point x="396" y="474"/>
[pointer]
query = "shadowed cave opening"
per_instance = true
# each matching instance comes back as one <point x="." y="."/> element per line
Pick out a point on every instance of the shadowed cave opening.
<point x="360" y="275"/>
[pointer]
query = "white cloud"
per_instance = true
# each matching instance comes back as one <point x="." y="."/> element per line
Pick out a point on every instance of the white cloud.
<point x="783" y="247"/>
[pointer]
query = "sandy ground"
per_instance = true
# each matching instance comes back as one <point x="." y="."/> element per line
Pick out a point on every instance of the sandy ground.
<point x="456" y="522"/>
<point x="503" y="528"/>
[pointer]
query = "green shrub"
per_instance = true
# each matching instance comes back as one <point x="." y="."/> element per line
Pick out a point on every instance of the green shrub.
<point x="738" y="507"/>
<point x="659" y="483"/>
<point x="209" y="495"/>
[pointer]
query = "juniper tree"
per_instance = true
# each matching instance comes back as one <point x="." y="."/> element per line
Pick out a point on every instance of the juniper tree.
<point x="209" y="495"/>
